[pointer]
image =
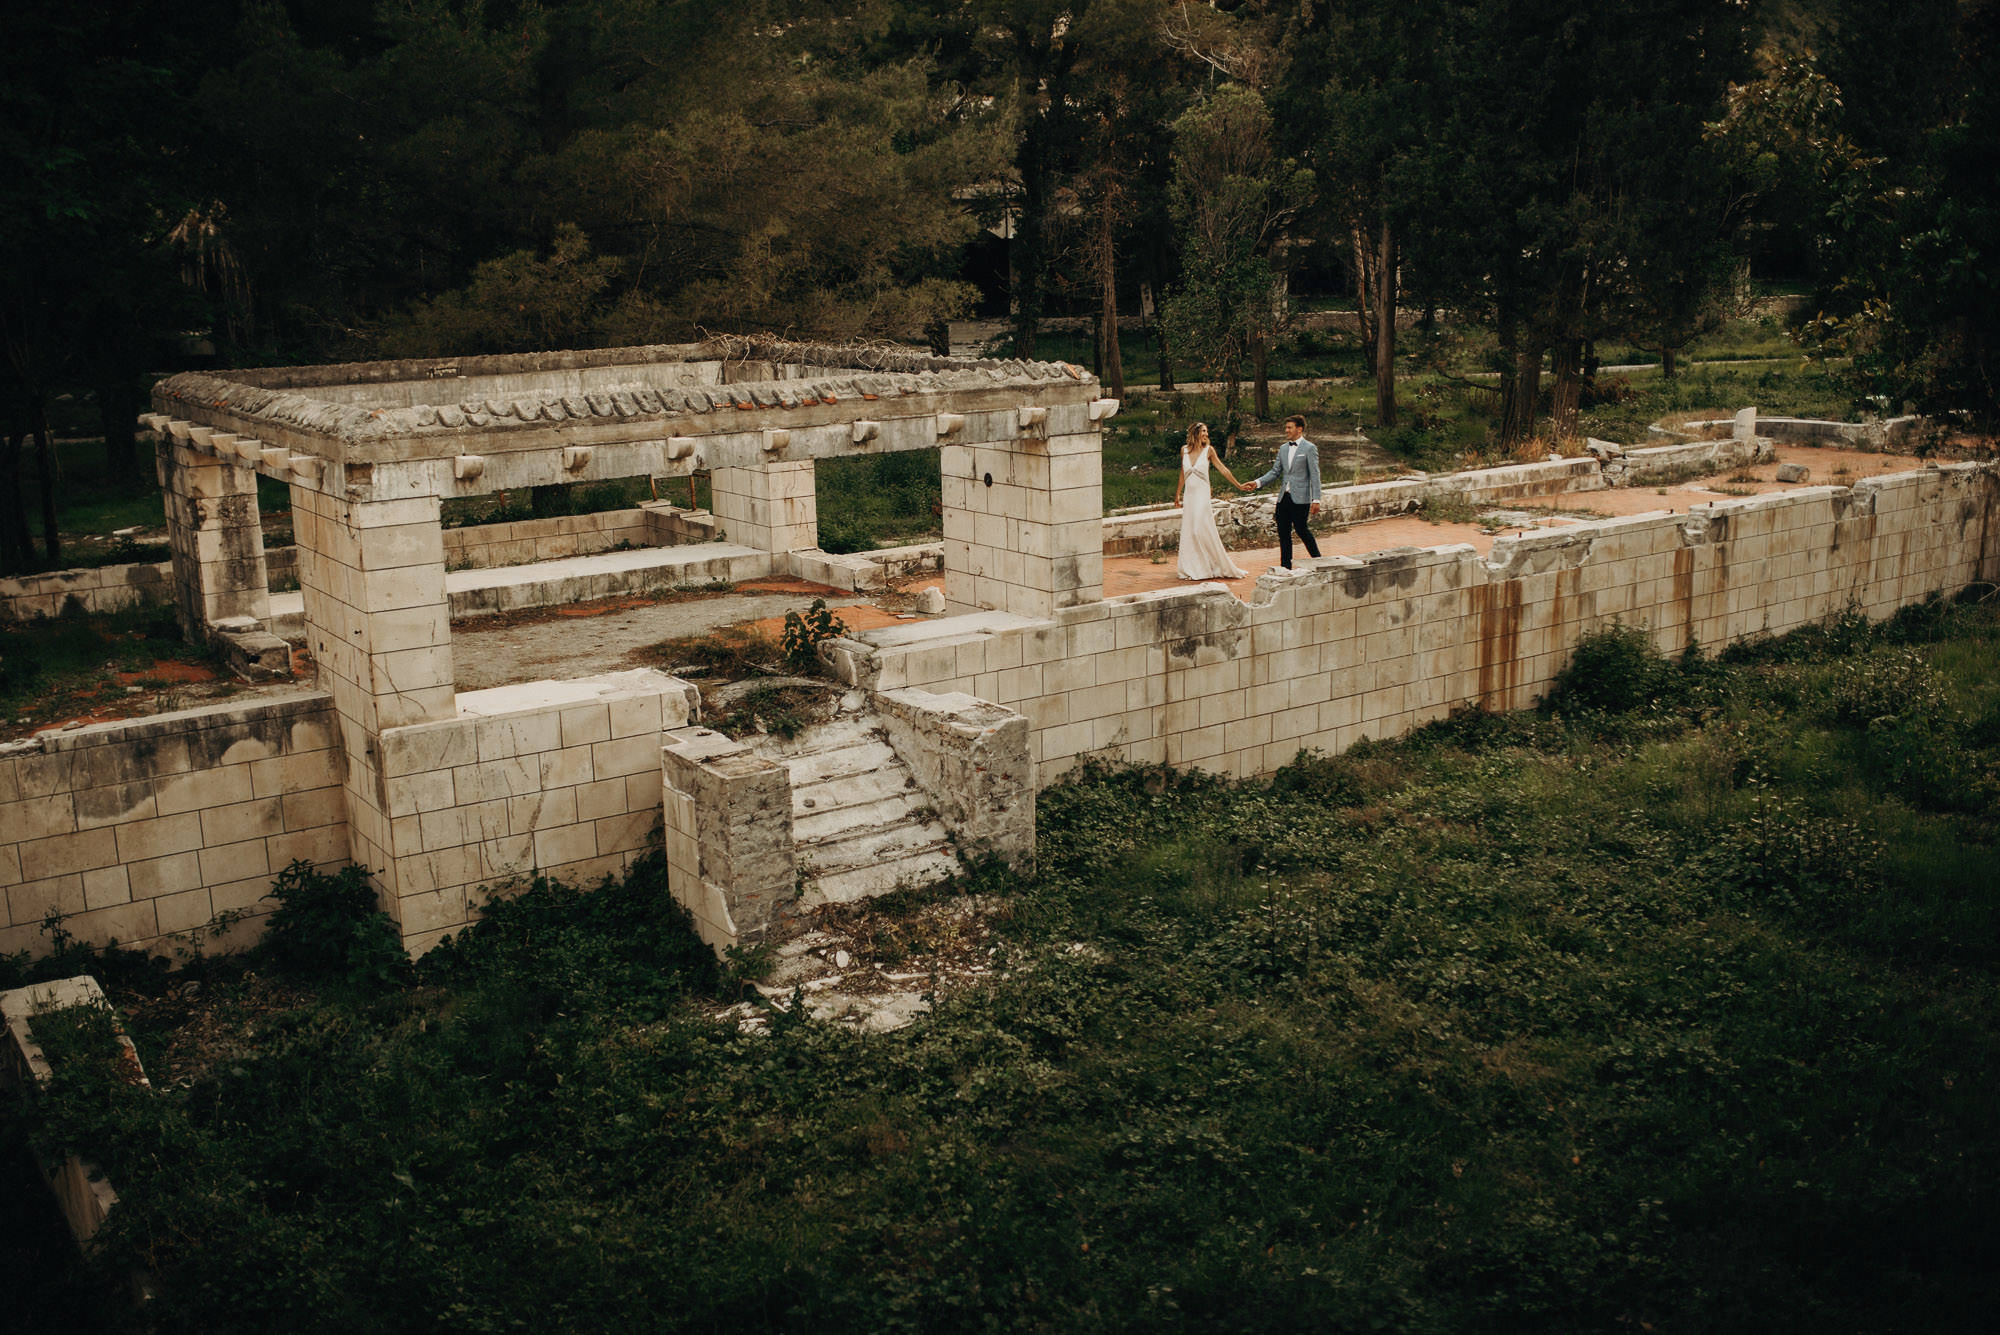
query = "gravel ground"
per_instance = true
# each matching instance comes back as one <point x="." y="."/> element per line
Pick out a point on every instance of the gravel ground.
<point x="555" y="645"/>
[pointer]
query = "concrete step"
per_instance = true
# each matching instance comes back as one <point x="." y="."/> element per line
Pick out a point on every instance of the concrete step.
<point x="924" y="867"/>
<point x="858" y="845"/>
<point x="810" y="827"/>
<point x="813" y="767"/>
<point x="849" y="790"/>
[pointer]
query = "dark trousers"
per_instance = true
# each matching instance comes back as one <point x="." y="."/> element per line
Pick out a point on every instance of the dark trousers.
<point x="1291" y="515"/>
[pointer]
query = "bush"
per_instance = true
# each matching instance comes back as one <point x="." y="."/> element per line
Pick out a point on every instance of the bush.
<point x="327" y="929"/>
<point x="804" y="632"/>
<point x="840" y="536"/>
<point x="1616" y="672"/>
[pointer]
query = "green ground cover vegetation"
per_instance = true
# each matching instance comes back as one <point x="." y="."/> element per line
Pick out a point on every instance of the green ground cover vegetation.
<point x="1670" y="1005"/>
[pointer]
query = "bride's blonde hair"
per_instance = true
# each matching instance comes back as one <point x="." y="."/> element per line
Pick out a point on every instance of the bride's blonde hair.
<point x="1194" y="431"/>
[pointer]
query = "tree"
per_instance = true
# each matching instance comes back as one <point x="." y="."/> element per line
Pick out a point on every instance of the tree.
<point x="1357" y="98"/>
<point x="93" y="144"/>
<point x="1928" y="332"/>
<point x="1557" y="149"/>
<point x="1231" y="199"/>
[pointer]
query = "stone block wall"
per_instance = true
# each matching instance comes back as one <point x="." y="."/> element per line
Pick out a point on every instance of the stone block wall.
<point x="568" y="785"/>
<point x="773" y="508"/>
<point x="1377" y="646"/>
<point x="216" y="536"/>
<point x="525" y="541"/>
<point x="147" y="827"/>
<point x="1023" y="514"/>
<point x="98" y="589"/>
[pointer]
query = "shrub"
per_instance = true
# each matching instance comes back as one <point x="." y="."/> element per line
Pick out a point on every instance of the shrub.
<point x="1613" y="671"/>
<point x="841" y="536"/>
<point x="804" y="632"/>
<point x="327" y="928"/>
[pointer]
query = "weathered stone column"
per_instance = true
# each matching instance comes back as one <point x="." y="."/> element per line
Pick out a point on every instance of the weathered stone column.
<point x="772" y="508"/>
<point x="215" y="534"/>
<point x="727" y="820"/>
<point x="379" y="629"/>
<point x="972" y="757"/>
<point x="1024" y="512"/>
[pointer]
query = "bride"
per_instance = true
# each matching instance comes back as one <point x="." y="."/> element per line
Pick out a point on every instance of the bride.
<point x="1202" y="555"/>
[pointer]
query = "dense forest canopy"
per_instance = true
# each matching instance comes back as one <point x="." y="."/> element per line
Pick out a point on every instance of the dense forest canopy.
<point x="293" y="182"/>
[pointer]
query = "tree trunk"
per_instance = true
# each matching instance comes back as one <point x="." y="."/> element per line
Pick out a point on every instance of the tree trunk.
<point x="1385" y="329"/>
<point x="1565" y="398"/>
<point x="1520" y="382"/>
<point x="1669" y="363"/>
<point x="1260" y="384"/>
<point x="1364" y="296"/>
<point x="1028" y="252"/>
<point x="1113" y="371"/>
<point x="118" y="410"/>
<point x="1166" y="360"/>
<point x="17" y="552"/>
<point x="45" y="461"/>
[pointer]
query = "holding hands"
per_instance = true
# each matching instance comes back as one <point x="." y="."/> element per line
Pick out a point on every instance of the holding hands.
<point x="1246" y="486"/>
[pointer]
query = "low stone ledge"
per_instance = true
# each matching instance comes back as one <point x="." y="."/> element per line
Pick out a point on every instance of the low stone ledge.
<point x="1656" y="464"/>
<point x="1880" y="435"/>
<point x="250" y="651"/>
<point x="80" y="1189"/>
<point x="859" y="572"/>
<point x="973" y="758"/>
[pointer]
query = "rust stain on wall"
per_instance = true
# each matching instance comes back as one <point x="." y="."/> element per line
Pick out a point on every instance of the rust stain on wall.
<point x="1566" y="587"/>
<point x="1684" y="586"/>
<point x="1499" y="608"/>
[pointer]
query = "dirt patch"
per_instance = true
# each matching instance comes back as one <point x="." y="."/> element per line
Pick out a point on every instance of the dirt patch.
<point x="876" y="965"/>
<point x="205" y="1022"/>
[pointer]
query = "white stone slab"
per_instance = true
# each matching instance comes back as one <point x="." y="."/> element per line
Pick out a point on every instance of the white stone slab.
<point x="663" y="560"/>
<point x="529" y="696"/>
<point x="972" y="623"/>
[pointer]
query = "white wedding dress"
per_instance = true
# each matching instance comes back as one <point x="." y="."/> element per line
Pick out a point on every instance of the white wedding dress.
<point x="1202" y="554"/>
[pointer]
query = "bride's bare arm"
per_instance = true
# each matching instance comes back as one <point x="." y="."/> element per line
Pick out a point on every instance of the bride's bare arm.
<point x="1222" y="468"/>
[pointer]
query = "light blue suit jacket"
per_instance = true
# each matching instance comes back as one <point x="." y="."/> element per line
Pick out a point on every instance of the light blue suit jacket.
<point x="1301" y="480"/>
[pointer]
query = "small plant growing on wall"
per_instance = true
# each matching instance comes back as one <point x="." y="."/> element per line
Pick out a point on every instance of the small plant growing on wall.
<point x="803" y="632"/>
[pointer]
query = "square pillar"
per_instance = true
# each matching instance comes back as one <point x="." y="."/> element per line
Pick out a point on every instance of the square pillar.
<point x="772" y="507"/>
<point x="1023" y="522"/>
<point x="379" y="629"/>
<point x="216" y="537"/>
<point x="727" y="817"/>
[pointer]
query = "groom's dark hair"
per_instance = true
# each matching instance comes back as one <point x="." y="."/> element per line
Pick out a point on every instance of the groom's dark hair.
<point x="1296" y="418"/>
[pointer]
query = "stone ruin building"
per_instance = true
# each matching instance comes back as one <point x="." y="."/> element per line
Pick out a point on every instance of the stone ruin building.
<point x="142" y="828"/>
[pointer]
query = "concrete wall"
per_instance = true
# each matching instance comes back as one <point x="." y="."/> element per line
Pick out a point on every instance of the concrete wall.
<point x="99" y="589"/>
<point x="525" y="541"/>
<point x="1377" y="646"/>
<point x="560" y="777"/>
<point x="146" y="827"/>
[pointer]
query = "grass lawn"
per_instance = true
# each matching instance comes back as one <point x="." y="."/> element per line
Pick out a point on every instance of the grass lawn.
<point x="1671" y="1008"/>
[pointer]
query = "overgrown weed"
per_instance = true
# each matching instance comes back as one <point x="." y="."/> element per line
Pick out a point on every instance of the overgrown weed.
<point x="1670" y="1004"/>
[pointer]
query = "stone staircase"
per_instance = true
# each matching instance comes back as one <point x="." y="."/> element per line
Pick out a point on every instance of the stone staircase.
<point x="860" y="824"/>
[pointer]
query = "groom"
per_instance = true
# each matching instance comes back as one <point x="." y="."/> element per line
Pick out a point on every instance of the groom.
<point x="1296" y="470"/>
